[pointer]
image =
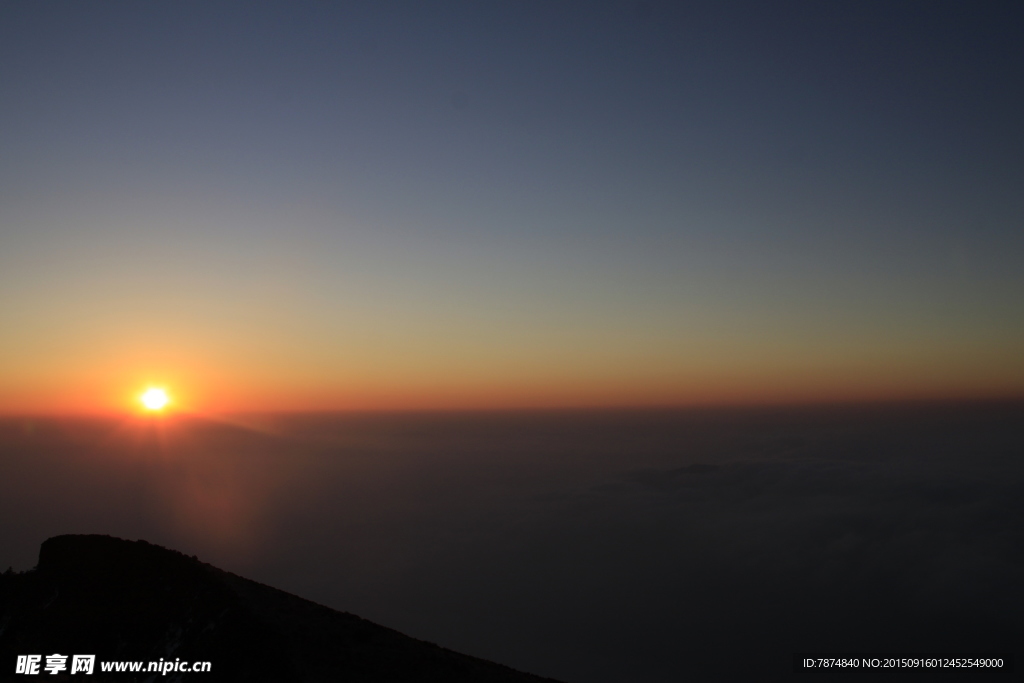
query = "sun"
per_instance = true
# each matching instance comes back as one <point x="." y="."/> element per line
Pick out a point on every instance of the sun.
<point x="154" y="399"/>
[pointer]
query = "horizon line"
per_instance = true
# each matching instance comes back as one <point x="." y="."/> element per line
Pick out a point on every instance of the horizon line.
<point x="836" y="403"/>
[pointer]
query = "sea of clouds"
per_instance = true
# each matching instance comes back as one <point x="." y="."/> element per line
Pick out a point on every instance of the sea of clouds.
<point x="590" y="547"/>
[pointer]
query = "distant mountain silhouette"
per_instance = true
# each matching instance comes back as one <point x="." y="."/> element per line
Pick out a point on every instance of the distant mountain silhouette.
<point x="131" y="600"/>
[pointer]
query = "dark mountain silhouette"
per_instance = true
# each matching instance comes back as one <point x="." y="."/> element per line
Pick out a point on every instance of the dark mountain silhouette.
<point x="131" y="600"/>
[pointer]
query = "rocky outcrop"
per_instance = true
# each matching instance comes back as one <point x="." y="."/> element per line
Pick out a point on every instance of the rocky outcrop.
<point x="134" y="601"/>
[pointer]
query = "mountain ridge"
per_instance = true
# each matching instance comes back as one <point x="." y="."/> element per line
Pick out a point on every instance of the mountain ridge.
<point x="135" y="601"/>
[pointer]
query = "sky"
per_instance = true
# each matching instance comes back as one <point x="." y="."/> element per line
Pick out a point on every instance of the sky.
<point x="320" y="206"/>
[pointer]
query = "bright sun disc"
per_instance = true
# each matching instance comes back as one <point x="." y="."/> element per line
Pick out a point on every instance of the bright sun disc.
<point x="154" y="399"/>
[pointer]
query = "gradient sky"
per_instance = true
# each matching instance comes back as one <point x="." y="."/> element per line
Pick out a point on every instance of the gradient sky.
<point x="386" y="205"/>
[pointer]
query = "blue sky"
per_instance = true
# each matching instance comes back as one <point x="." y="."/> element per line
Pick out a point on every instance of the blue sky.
<point x="396" y="203"/>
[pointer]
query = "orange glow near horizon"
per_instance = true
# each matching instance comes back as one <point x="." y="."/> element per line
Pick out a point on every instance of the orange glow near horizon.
<point x="201" y="388"/>
<point x="540" y="395"/>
